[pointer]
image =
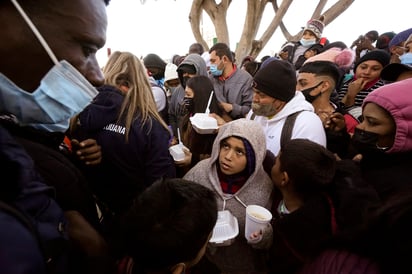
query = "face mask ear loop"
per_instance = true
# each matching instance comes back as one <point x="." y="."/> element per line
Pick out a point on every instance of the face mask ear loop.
<point x="36" y="32"/>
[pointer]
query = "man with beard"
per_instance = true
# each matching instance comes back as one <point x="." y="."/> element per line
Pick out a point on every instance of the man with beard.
<point x="275" y="99"/>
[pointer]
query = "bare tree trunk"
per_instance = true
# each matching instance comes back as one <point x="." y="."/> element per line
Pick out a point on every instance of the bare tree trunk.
<point x="253" y="19"/>
<point x="194" y="19"/>
<point x="248" y="44"/>
<point x="217" y="14"/>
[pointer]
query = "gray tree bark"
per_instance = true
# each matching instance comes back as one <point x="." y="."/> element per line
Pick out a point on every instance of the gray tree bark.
<point x="249" y="44"/>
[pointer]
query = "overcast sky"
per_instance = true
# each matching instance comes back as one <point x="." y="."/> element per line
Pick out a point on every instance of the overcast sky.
<point x="162" y="26"/>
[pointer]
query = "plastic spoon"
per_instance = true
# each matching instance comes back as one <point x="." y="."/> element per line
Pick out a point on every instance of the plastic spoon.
<point x="208" y="103"/>
<point x="178" y="137"/>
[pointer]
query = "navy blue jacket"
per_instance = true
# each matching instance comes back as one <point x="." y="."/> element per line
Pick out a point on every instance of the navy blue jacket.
<point x="129" y="167"/>
<point x="24" y="249"/>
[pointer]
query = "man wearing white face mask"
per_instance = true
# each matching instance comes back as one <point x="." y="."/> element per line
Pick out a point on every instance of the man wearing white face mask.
<point x="47" y="74"/>
<point x="311" y="35"/>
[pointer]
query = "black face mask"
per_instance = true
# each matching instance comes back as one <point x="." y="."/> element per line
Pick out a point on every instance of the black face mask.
<point x="366" y="142"/>
<point x="311" y="98"/>
<point x="186" y="106"/>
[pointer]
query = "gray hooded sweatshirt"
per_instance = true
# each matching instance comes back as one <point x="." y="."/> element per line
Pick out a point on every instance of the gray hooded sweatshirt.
<point x="239" y="257"/>
<point x="177" y="96"/>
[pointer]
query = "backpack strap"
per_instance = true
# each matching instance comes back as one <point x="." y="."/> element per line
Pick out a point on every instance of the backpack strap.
<point x="288" y="128"/>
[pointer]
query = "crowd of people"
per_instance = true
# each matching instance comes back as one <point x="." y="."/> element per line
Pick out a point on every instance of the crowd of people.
<point x="319" y="134"/>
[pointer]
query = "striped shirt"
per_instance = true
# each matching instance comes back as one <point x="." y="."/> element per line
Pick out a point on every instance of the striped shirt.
<point x="361" y="95"/>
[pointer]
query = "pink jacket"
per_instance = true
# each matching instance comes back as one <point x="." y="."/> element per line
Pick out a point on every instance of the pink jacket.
<point x="396" y="98"/>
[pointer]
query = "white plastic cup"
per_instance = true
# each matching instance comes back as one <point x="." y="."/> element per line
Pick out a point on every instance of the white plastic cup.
<point x="257" y="218"/>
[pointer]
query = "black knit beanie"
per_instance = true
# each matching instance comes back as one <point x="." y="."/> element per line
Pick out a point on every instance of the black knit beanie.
<point x="378" y="55"/>
<point x="154" y="61"/>
<point x="276" y="79"/>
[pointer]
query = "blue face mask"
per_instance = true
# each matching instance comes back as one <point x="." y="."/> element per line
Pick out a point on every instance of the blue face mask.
<point x="63" y="93"/>
<point x="406" y="58"/>
<point x="161" y="82"/>
<point x="307" y="42"/>
<point x="214" y="70"/>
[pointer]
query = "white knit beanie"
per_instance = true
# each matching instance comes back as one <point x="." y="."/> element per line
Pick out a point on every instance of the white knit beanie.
<point x="171" y="72"/>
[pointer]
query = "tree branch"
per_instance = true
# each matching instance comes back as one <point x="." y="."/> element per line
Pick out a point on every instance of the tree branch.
<point x="318" y="10"/>
<point x="337" y="9"/>
<point x="282" y="26"/>
<point x="276" y="21"/>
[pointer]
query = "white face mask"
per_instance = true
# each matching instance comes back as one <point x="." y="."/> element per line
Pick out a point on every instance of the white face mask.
<point x="63" y="92"/>
<point x="307" y="42"/>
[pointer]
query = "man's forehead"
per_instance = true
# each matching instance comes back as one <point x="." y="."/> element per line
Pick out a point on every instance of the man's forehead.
<point x="86" y="19"/>
<point x="213" y="56"/>
<point x="71" y="28"/>
<point x="306" y="76"/>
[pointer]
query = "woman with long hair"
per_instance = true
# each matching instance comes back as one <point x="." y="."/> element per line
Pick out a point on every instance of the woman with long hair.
<point x="198" y="92"/>
<point x="126" y="124"/>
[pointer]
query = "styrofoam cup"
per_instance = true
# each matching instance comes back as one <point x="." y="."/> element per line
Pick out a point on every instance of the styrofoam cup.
<point x="257" y="218"/>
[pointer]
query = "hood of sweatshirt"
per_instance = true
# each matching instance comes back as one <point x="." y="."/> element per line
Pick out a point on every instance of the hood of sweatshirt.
<point x="396" y="98"/>
<point x="253" y="133"/>
<point x="195" y="60"/>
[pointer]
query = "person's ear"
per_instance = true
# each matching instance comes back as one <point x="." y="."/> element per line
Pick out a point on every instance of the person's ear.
<point x="225" y="59"/>
<point x="179" y="268"/>
<point x="285" y="179"/>
<point x="326" y="85"/>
